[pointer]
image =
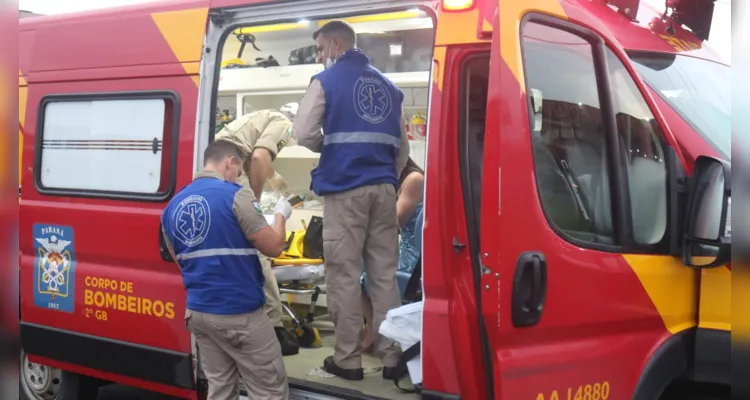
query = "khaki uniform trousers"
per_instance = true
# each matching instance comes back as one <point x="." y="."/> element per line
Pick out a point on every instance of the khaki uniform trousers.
<point x="360" y="225"/>
<point x="272" y="308"/>
<point x="234" y="345"/>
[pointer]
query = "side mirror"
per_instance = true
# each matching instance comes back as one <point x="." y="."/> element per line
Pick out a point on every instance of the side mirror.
<point x="708" y="230"/>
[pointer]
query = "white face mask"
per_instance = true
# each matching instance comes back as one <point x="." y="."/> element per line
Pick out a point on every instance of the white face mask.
<point x="329" y="61"/>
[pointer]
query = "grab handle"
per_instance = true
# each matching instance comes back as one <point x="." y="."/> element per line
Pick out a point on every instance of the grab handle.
<point x="529" y="289"/>
<point x="163" y="251"/>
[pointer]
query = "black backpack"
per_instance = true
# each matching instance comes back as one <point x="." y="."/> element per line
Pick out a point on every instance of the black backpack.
<point x="303" y="55"/>
<point x="312" y="244"/>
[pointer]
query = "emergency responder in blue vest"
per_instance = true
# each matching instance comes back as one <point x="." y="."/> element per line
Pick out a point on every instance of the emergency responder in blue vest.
<point x="363" y="150"/>
<point x="214" y="230"/>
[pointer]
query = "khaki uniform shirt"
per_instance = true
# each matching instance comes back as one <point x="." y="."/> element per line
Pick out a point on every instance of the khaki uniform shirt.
<point x="267" y="129"/>
<point x="309" y="120"/>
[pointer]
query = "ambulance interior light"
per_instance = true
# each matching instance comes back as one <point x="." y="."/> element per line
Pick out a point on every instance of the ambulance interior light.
<point x="458" y="5"/>
<point x="396" y="49"/>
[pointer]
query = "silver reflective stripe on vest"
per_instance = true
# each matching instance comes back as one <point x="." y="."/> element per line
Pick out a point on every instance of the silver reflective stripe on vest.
<point x="216" y="252"/>
<point x="361" y="137"/>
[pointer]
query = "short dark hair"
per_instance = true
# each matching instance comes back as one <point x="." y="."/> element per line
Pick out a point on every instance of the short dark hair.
<point x="220" y="150"/>
<point x="337" y="28"/>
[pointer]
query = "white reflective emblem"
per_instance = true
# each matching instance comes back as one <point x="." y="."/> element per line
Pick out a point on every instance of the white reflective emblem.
<point x="372" y="100"/>
<point x="192" y="220"/>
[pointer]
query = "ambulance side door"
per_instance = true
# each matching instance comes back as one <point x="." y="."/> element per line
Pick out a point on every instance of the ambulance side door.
<point x="574" y="185"/>
<point x="105" y="150"/>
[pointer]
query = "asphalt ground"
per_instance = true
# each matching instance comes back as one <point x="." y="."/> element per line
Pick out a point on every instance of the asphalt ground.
<point x="120" y="392"/>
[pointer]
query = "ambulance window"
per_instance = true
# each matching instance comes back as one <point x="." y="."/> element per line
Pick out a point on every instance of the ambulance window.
<point x="567" y="133"/>
<point x="116" y="146"/>
<point x="642" y="151"/>
<point x="568" y="137"/>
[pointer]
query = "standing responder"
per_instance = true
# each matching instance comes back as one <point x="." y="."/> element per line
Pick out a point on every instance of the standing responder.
<point x="363" y="149"/>
<point x="261" y="135"/>
<point x="213" y="229"/>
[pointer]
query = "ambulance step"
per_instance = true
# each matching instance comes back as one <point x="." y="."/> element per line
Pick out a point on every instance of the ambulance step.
<point x="298" y="395"/>
<point x="304" y="395"/>
<point x="305" y="390"/>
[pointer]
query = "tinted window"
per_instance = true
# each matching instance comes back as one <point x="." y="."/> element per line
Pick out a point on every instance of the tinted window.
<point x="568" y="136"/>
<point x="699" y="90"/>
<point x="642" y="142"/>
<point x="569" y="140"/>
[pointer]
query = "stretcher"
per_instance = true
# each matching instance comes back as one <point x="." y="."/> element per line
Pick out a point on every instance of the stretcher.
<point x="298" y="275"/>
<point x="302" y="279"/>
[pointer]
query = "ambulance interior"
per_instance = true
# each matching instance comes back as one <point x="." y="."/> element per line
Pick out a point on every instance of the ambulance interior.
<point x="265" y="67"/>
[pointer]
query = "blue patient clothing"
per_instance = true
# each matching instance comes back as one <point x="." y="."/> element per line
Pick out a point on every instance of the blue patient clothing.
<point x="220" y="268"/>
<point x="409" y="251"/>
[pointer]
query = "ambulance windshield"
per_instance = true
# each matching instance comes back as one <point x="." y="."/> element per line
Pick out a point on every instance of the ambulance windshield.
<point x="698" y="90"/>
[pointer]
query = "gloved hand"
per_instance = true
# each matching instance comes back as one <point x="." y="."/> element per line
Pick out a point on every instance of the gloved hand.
<point x="283" y="207"/>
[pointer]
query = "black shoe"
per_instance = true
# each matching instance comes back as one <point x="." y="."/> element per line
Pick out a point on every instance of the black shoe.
<point x="392" y="373"/>
<point x="351" y="374"/>
<point x="288" y="340"/>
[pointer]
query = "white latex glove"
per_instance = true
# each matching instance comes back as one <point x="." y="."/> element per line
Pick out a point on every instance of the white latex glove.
<point x="270" y="219"/>
<point x="283" y="207"/>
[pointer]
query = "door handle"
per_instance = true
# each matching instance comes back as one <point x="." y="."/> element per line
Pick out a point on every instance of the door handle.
<point x="529" y="289"/>
<point x="163" y="251"/>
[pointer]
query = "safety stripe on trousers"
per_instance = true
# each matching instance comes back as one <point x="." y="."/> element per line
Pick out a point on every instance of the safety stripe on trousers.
<point x="361" y="137"/>
<point x="216" y="252"/>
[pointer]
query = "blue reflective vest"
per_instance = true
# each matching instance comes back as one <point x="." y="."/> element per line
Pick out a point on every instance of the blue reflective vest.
<point x="362" y="127"/>
<point x="221" y="270"/>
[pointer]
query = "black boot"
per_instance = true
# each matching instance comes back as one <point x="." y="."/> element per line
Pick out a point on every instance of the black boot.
<point x="351" y="374"/>
<point x="288" y="340"/>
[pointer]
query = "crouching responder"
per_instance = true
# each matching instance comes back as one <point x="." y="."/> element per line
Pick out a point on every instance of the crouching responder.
<point x="214" y="231"/>
<point x="261" y="135"/>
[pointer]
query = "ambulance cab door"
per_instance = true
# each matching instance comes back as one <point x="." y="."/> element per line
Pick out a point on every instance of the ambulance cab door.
<point x="570" y="148"/>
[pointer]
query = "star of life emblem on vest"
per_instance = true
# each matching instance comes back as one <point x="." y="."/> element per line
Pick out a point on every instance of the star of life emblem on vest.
<point x="192" y="220"/>
<point x="372" y="100"/>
